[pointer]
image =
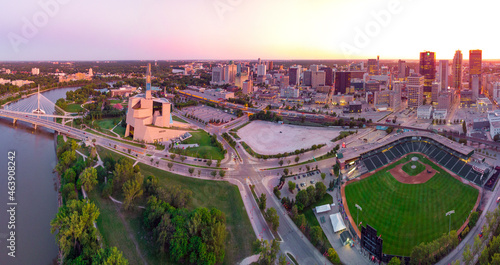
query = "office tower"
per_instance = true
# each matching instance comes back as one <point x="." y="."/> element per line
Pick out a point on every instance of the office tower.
<point x="307" y="78"/>
<point x="238" y="68"/>
<point x="401" y="69"/>
<point x="294" y="73"/>
<point x="342" y="82"/>
<point x="314" y="68"/>
<point x="475" y="66"/>
<point x="317" y="79"/>
<point x="436" y="88"/>
<point x="284" y="81"/>
<point x="372" y="66"/>
<point x="415" y="88"/>
<point x="428" y="70"/>
<point x="247" y="87"/>
<point x="148" y="82"/>
<point x="217" y="75"/>
<point x="457" y="70"/>
<point x="259" y="61"/>
<point x="36" y="71"/>
<point x="328" y="75"/>
<point x="474" y="86"/>
<point x="261" y="70"/>
<point x="443" y="74"/>
<point x="230" y="73"/>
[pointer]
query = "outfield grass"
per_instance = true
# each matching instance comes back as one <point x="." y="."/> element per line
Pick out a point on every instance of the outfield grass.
<point x="205" y="150"/>
<point x="409" y="214"/>
<point x="74" y="108"/>
<point x="413" y="171"/>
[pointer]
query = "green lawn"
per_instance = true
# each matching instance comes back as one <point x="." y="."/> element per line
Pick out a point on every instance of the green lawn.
<point x="408" y="214"/>
<point x="120" y="130"/>
<point x="107" y="124"/>
<point x="206" y="193"/>
<point x="175" y="118"/>
<point x="311" y="218"/>
<point x="413" y="171"/>
<point x="74" y="108"/>
<point x="206" y="149"/>
<point x="115" y="101"/>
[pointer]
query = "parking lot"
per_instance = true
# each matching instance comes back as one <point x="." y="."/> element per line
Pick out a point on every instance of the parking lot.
<point x="304" y="180"/>
<point x="208" y="113"/>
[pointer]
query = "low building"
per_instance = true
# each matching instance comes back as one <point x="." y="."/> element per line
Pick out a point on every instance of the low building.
<point x="355" y="107"/>
<point x="480" y="124"/>
<point x="484" y="104"/>
<point x="289" y="92"/>
<point x="440" y="114"/>
<point x="124" y="91"/>
<point x="424" y="112"/>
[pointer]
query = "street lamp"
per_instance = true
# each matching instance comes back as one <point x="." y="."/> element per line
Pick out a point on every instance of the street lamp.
<point x="449" y="214"/>
<point x="358" y="208"/>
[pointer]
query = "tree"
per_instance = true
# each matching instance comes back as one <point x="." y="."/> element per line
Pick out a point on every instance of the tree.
<point x="222" y="173"/>
<point x="88" y="179"/>
<point x="285" y="171"/>
<point x="183" y="158"/>
<point x="320" y="190"/>
<point x="199" y="172"/>
<point x="109" y="256"/>
<point x="288" y="161"/>
<point x="209" y="162"/>
<point x="474" y="216"/>
<point x="191" y="170"/>
<point x="389" y="130"/>
<point x="170" y="165"/>
<point x="282" y="260"/>
<point x="262" y="201"/>
<point x="496" y="138"/>
<point x="172" y="156"/>
<point x="69" y="176"/>
<point x="394" y="261"/>
<point x="311" y="194"/>
<point x="316" y="235"/>
<point x="308" y="167"/>
<point x="291" y="186"/>
<point x="464" y="127"/>
<point x="273" y="218"/>
<point x="333" y="257"/>
<point x="297" y="159"/>
<point x="303" y="198"/>
<point x="151" y="160"/>
<point x="132" y="189"/>
<point x="268" y="251"/>
<point x="280" y="163"/>
<point x="323" y="176"/>
<point x="213" y="173"/>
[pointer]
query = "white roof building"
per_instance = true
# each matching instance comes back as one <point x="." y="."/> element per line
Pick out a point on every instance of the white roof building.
<point x="337" y="222"/>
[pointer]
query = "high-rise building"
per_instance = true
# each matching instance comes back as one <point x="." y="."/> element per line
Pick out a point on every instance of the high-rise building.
<point x="36" y="71"/>
<point x="230" y="73"/>
<point x="271" y="65"/>
<point x="314" y="68"/>
<point x="474" y="85"/>
<point x="415" y="88"/>
<point x="317" y="79"/>
<point x="475" y="67"/>
<point x="373" y="67"/>
<point x="294" y="73"/>
<point x="443" y="74"/>
<point x="436" y="88"/>
<point x="307" y="78"/>
<point x="247" y="87"/>
<point x="217" y="75"/>
<point x="428" y="70"/>
<point x="342" y="82"/>
<point x="261" y="70"/>
<point x="91" y="73"/>
<point x="401" y="69"/>
<point x="457" y="70"/>
<point x="328" y="75"/>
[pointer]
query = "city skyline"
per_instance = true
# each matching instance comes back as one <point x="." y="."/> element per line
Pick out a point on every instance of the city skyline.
<point x="238" y="30"/>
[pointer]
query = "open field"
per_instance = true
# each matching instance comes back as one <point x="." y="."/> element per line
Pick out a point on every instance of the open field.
<point x="205" y="148"/>
<point x="73" y="108"/>
<point x="268" y="138"/>
<point x="409" y="214"/>
<point x="108" y="124"/>
<point x="175" y="118"/>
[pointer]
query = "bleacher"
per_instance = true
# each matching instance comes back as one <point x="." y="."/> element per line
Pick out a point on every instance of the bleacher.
<point x="441" y="155"/>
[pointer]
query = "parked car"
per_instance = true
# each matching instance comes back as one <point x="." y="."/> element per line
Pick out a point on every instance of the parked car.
<point x="498" y="199"/>
<point x="312" y="181"/>
<point x="294" y="178"/>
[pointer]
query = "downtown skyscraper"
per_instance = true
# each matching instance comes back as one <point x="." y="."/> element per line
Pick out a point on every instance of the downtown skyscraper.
<point x="457" y="70"/>
<point x="428" y="70"/>
<point x="475" y="71"/>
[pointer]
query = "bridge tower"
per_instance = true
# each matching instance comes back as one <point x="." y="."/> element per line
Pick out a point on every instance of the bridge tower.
<point x="38" y="110"/>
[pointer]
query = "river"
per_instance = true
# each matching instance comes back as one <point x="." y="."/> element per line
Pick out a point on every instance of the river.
<point x="36" y="193"/>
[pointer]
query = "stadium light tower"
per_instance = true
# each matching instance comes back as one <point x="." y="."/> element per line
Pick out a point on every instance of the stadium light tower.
<point x="358" y="208"/>
<point x="449" y="214"/>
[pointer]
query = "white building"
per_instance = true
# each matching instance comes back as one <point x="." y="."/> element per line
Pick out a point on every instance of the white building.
<point x="440" y="114"/>
<point x="289" y="92"/>
<point x="247" y="87"/>
<point x="217" y="75"/>
<point x="35" y="71"/>
<point x="261" y="70"/>
<point x="494" y="119"/>
<point x="424" y="112"/>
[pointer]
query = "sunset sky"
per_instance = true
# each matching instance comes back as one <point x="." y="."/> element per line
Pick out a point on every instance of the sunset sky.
<point x="245" y="29"/>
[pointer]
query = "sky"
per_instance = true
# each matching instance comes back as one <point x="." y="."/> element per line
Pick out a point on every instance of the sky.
<point x="32" y="30"/>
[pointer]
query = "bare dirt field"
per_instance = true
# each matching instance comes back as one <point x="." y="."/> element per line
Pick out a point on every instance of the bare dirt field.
<point x="270" y="138"/>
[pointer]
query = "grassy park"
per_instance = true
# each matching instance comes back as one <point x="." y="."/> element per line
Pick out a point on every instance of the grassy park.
<point x="409" y="214"/>
<point x="206" y="148"/>
<point x="120" y="227"/>
<point x="74" y="107"/>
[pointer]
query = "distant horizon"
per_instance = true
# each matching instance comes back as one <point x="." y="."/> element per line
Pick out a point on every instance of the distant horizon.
<point x="122" y="30"/>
